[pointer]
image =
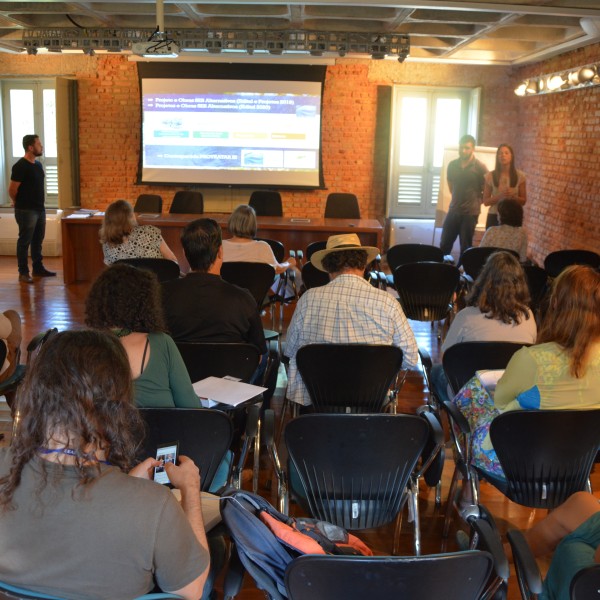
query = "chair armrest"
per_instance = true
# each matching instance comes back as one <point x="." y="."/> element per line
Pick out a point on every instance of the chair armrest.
<point x="527" y="569"/>
<point x="426" y="360"/>
<point x="268" y="431"/>
<point x="457" y="417"/>
<point x="489" y="540"/>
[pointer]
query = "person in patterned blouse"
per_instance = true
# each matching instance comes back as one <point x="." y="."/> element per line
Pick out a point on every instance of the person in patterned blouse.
<point x="121" y="236"/>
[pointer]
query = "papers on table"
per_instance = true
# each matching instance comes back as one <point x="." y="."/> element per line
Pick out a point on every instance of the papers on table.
<point x="215" y="390"/>
<point x="85" y="213"/>
<point x="489" y="378"/>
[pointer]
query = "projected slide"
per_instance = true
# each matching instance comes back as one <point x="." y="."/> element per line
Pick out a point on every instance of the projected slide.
<point x="231" y="132"/>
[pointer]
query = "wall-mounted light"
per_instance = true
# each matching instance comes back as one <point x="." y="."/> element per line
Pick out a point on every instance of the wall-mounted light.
<point x="562" y="81"/>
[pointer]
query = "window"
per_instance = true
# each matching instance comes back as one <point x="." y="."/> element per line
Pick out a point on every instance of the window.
<point x="424" y="122"/>
<point x="30" y="107"/>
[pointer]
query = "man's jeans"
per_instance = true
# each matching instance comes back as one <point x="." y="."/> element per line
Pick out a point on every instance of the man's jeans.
<point x="32" y="229"/>
<point x="459" y="225"/>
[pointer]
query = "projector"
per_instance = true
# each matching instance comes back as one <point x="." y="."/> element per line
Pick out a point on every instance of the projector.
<point x="156" y="48"/>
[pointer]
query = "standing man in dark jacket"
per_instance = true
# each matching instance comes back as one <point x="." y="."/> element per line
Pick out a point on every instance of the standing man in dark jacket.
<point x="465" y="179"/>
<point x="26" y="192"/>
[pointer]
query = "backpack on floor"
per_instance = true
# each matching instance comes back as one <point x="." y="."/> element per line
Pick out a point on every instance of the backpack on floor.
<point x="266" y="540"/>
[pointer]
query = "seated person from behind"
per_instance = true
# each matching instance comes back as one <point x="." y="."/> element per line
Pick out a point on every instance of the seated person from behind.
<point x="510" y="234"/>
<point x="348" y="310"/>
<point x="127" y="301"/>
<point x="10" y="336"/>
<point x="497" y="311"/>
<point x="121" y="237"/>
<point x="201" y="307"/>
<point x="561" y="372"/>
<point x="572" y="532"/>
<point x="68" y="481"/>
<point x="243" y="247"/>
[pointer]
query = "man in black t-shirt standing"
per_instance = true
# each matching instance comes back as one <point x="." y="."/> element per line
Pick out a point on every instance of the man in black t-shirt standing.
<point x="26" y="191"/>
<point x="465" y="179"/>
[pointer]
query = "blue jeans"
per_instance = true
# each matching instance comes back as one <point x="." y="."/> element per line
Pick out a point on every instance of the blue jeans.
<point x="32" y="229"/>
<point x="457" y="225"/>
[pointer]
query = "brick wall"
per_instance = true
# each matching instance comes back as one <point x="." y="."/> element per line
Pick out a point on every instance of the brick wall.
<point x="556" y="137"/>
<point x="558" y="146"/>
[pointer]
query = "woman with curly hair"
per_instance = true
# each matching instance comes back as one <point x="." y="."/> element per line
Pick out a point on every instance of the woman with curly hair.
<point x="70" y="482"/>
<point x="121" y="237"/>
<point x="560" y="372"/>
<point x="127" y="301"/>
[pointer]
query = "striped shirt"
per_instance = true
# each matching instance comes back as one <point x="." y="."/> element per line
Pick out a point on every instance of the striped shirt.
<point x="348" y="310"/>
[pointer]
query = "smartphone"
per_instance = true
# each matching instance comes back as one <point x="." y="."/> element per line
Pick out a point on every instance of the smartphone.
<point x="166" y="453"/>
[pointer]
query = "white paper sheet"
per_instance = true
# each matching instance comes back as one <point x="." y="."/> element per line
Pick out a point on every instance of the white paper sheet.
<point x="225" y="391"/>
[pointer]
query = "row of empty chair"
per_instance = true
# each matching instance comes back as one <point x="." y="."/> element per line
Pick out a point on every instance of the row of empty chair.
<point x="265" y="203"/>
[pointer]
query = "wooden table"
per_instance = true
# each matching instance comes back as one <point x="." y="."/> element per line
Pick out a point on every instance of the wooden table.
<point x="82" y="253"/>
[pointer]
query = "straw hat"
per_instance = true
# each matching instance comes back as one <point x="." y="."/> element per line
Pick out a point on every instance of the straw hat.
<point x="339" y="243"/>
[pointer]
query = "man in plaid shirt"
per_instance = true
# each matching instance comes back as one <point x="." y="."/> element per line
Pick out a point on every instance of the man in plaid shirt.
<point x="345" y="311"/>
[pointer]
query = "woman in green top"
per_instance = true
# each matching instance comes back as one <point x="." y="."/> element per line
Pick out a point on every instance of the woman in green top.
<point x="127" y="301"/>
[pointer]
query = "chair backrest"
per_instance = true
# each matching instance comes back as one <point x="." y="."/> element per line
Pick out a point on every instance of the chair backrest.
<point x="462" y="360"/>
<point x="546" y="455"/>
<point x="586" y="584"/>
<point x="150" y="203"/>
<point x="353" y="469"/>
<point x="343" y="378"/>
<point x="473" y="259"/>
<point x="266" y="203"/>
<point x="426" y="289"/>
<point x="257" y="278"/>
<point x="313" y="277"/>
<point x="163" y="268"/>
<point x="402" y="254"/>
<point x="187" y="202"/>
<point x="203" y="434"/>
<point x="456" y="576"/>
<point x="204" y="360"/>
<point x="557" y="261"/>
<point x="277" y="247"/>
<point x="342" y="206"/>
<point x="537" y="281"/>
<point x="314" y="247"/>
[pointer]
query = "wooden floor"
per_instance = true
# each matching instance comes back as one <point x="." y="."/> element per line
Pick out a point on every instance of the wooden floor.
<point x="49" y="303"/>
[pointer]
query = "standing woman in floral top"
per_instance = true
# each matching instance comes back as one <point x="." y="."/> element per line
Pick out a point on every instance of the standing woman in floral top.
<point x="505" y="181"/>
<point x="121" y="236"/>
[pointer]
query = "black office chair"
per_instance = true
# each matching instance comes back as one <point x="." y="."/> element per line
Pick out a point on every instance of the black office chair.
<point x="473" y="259"/>
<point x="546" y="455"/>
<point x="557" y="261"/>
<point x="350" y="378"/>
<point x="187" y="202"/>
<point x="266" y="203"/>
<point x="163" y="268"/>
<point x="402" y="254"/>
<point x="462" y="360"/>
<point x="342" y="206"/>
<point x="426" y="291"/>
<point x="148" y="203"/>
<point x="204" y="435"/>
<point x="313" y="277"/>
<point x="584" y="586"/>
<point x="357" y="471"/>
<point x="457" y="576"/>
<point x="204" y="360"/>
<point x="537" y="282"/>
<point x="257" y="278"/>
<point x="314" y="247"/>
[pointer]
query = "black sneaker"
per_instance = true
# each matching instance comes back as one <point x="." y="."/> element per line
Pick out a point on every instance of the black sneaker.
<point x="25" y="278"/>
<point x="43" y="272"/>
